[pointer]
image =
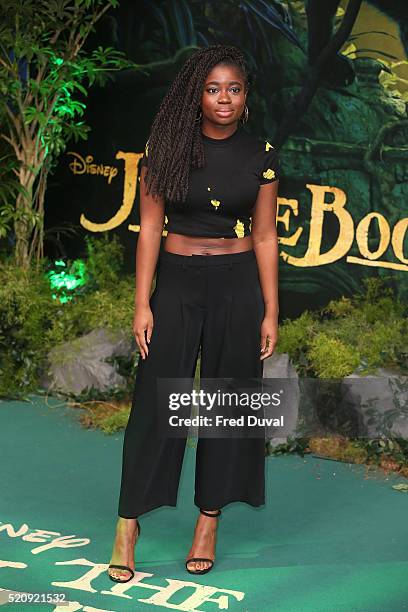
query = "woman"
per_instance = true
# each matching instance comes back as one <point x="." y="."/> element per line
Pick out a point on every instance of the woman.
<point x="216" y="288"/>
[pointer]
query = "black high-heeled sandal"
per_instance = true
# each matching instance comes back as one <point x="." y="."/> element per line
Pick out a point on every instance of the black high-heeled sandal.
<point x="124" y="567"/>
<point x="207" y="569"/>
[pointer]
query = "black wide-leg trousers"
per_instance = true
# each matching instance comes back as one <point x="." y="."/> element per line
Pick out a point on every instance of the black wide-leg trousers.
<point x="212" y="302"/>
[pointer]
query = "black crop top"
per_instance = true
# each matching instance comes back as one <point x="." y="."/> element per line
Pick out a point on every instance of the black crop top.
<point x="221" y="195"/>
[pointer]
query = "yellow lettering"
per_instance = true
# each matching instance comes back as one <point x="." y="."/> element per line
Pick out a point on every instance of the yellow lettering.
<point x="78" y="165"/>
<point x="285" y="218"/>
<point x="362" y="235"/>
<point x="112" y="173"/>
<point x="129" y="192"/>
<point x="397" y="241"/>
<point x="313" y="256"/>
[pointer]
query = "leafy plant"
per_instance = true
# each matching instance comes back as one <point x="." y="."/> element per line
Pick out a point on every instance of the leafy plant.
<point x="9" y="189"/>
<point x="105" y="260"/>
<point x="44" y="72"/>
<point x="332" y="358"/>
<point x="26" y="313"/>
<point x="350" y="334"/>
<point x="35" y="316"/>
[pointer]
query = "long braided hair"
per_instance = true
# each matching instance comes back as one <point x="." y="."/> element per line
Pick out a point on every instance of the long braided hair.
<point x="175" y="144"/>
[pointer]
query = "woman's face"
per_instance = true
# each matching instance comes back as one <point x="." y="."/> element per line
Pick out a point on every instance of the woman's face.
<point x="224" y="95"/>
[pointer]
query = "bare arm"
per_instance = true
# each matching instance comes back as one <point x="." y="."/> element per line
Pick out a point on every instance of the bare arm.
<point x="265" y="244"/>
<point x="147" y="252"/>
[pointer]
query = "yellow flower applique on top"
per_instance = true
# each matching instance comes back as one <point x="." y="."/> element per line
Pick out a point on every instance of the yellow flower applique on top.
<point x="269" y="174"/>
<point x="214" y="202"/>
<point x="239" y="229"/>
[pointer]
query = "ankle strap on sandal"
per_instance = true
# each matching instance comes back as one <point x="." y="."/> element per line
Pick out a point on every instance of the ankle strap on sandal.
<point x="217" y="513"/>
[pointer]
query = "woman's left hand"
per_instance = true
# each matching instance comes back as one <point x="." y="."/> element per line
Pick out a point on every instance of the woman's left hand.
<point x="269" y="336"/>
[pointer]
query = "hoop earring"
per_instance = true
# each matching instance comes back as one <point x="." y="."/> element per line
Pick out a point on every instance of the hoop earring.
<point x="197" y="119"/>
<point x="244" y="116"/>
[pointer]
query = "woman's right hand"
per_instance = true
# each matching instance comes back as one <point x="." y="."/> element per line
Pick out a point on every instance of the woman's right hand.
<point x="142" y="328"/>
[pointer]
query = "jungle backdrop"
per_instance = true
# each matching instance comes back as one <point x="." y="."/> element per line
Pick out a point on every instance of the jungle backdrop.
<point x="337" y="116"/>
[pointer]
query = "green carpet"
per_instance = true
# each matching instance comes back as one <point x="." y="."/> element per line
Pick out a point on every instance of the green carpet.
<point x="328" y="539"/>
